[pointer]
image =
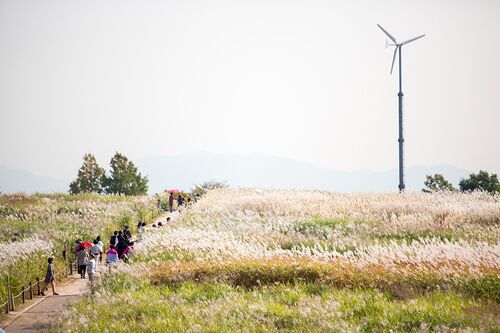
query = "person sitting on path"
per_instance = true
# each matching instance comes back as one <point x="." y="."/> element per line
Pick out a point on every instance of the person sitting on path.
<point x="91" y="267"/>
<point x="50" y="278"/>
<point x="83" y="258"/>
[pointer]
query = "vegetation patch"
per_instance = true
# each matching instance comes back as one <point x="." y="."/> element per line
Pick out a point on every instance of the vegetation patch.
<point x="410" y="236"/>
<point x="302" y="307"/>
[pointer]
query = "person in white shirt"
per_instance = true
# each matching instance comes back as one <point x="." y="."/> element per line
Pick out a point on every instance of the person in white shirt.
<point x="91" y="267"/>
<point x="141" y="231"/>
<point x="100" y="245"/>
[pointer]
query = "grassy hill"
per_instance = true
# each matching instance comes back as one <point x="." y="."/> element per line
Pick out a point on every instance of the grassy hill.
<point x="309" y="261"/>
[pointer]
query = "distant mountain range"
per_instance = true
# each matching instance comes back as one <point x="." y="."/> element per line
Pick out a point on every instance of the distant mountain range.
<point x="252" y="170"/>
<point x="18" y="180"/>
<point x="185" y="170"/>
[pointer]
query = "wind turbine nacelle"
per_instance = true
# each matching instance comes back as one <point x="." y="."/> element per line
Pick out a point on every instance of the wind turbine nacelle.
<point x="387" y="43"/>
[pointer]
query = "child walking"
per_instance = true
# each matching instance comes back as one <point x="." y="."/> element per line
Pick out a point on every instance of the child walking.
<point x="91" y="266"/>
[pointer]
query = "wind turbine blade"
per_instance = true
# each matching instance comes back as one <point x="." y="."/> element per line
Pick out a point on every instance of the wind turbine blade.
<point x="411" y="40"/>
<point x="394" y="58"/>
<point x="388" y="34"/>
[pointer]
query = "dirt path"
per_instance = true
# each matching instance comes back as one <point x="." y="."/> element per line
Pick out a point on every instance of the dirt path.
<point x="44" y="313"/>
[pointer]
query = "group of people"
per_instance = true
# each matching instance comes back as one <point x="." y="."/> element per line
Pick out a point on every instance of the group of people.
<point x="120" y="248"/>
<point x="120" y="245"/>
<point x="141" y="228"/>
<point x="88" y="260"/>
<point x="181" y="202"/>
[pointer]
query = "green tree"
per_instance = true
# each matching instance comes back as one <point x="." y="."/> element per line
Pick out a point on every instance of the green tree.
<point x="125" y="178"/>
<point x="201" y="189"/>
<point x="437" y="183"/>
<point x="481" y="181"/>
<point x="73" y="187"/>
<point x="90" y="177"/>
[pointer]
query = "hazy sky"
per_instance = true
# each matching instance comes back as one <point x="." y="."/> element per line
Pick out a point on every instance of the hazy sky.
<point x="302" y="79"/>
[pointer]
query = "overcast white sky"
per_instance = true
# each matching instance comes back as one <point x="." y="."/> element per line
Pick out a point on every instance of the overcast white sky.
<point x="302" y="79"/>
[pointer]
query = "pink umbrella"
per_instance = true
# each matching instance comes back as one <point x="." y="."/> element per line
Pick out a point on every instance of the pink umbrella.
<point x="174" y="191"/>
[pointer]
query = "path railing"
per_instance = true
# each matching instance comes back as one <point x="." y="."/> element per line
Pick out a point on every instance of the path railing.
<point x="32" y="289"/>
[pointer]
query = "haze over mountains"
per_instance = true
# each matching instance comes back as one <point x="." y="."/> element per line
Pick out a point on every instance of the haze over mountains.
<point x="251" y="170"/>
<point x="18" y="180"/>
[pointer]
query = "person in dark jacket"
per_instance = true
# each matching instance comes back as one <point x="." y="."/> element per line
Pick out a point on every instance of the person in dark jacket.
<point x="120" y="236"/>
<point x="180" y="201"/>
<point x="114" y="239"/>
<point x="50" y="278"/>
<point x="120" y="248"/>
<point x="171" y="202"/>
<point x="77" y="246"/>
<point x="127" y="234"/>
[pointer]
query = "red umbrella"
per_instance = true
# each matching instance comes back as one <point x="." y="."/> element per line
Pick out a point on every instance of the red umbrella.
<point x="174" y="191"/>
<point x="86" y="244"/>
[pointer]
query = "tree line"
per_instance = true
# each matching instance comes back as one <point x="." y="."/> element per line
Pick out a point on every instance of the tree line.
<point x="482" y="181"/>
<point x="123" y="178"/>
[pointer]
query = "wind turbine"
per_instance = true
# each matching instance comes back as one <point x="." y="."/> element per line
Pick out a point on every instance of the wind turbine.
<point x="399" y="46"/>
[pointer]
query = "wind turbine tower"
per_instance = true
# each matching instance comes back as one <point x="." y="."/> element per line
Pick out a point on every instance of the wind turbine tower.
<point x="399" y="47"/>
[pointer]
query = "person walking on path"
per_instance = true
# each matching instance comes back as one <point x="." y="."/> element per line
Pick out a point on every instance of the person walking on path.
<point x="180" y="201"/>
<point x="91" y="266"/>
<point x="50" y="278"/>
<point x="159" y="203"/>
<point x="94" y="249"/>
<point x="122" y="245"/>
<point x="111" y="257"/>
<point x="171" y="202"/>
<point x="120" y="237"/>
<point x="127" y="234"/>
<point x="100" y="245"/>
<point x="114" y="239"/>
<point x="141" y="231"/>
<point x="125" y="255"/>
<point x="83" y="258"/>
<point x="77" y="246"/>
